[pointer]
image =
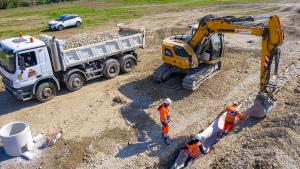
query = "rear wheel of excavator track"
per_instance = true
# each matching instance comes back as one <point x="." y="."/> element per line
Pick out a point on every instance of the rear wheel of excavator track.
<point x="162" y="73"/>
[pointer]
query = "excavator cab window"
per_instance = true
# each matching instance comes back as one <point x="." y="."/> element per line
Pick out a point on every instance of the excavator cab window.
<point x="181" y="52"/>
<point x="216" y="45"/>
<point x="168" y="52"/>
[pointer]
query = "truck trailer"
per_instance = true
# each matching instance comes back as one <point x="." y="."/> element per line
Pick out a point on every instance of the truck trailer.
<point x="37" y="67"/>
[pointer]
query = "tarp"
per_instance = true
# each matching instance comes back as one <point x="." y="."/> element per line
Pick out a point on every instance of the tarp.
<point x="211" y="134"/>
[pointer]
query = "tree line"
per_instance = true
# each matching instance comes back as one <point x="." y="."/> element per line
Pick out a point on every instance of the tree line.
<point x="4" y="4"/>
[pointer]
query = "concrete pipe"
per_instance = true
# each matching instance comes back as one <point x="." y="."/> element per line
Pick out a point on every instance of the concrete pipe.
<point x="16" y="138"/>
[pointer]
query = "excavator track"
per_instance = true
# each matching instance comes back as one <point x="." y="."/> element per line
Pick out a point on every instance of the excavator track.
<point x="162" y="73"/>
<point x="194" y="78"/>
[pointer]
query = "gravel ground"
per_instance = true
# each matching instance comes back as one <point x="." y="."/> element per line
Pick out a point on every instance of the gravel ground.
<point x="98" y="133"/>
<point x="87" y="39"/>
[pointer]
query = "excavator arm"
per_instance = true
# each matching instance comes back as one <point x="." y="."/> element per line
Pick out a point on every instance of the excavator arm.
<point x="272" y="38"/>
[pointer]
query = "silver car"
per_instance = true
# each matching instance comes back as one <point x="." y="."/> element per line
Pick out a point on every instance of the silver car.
<point x="64" y="21"/>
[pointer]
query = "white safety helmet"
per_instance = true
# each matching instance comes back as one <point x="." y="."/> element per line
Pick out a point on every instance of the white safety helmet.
<point x="168" y="101"/>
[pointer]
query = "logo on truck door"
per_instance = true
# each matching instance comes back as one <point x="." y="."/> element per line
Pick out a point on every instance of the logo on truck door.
<point x="31" y="73"/>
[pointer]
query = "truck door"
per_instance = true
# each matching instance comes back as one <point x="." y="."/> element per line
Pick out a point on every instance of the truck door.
<point x="32" y="68"/>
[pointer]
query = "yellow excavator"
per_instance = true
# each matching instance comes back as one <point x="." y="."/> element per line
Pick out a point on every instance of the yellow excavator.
<point x="198" y="53"/>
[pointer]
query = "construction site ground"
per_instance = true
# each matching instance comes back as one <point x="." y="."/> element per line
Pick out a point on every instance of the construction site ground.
<point x="115" y="124"/>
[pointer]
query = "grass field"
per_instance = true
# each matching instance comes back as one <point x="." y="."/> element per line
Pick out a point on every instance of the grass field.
<point x="32" y="20"/>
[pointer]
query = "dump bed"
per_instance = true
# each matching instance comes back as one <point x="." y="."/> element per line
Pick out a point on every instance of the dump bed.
<point x="84" y="48"/>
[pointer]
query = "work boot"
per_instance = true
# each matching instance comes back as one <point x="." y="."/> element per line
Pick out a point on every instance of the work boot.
<point x="167" y="141"/>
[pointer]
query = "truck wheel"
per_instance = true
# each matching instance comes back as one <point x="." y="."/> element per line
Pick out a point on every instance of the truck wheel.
<point x="75" y="82"/>
<point x="111" y="68"/>
<point x="60" y="27"/>
<point x="127" y="64"/>
<point x="46" y="91"/>
<point x="78" y="24"/>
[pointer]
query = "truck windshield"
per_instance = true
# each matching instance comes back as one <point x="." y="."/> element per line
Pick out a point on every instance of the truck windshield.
<point x="7" y="61"/>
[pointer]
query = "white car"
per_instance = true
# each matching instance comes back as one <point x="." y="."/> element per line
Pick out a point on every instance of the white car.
<point x="65" y="21"/>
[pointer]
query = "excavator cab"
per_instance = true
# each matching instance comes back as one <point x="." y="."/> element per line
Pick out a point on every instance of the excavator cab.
<point x="211" y="49"/>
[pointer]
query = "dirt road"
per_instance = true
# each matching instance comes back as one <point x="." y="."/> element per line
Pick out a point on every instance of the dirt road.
<point x="101" y="133"/>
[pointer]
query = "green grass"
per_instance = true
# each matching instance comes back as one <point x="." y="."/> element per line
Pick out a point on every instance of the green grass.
<point x="93" y="12"/>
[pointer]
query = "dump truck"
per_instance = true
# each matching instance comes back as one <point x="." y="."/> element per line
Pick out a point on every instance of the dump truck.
<point x="37" y="67"/>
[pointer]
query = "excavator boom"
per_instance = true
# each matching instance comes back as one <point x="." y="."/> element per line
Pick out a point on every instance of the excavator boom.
<point x="272" y="38"/>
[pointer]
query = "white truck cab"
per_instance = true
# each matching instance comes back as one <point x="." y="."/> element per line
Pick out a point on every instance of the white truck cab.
<point x="24" y="61"/>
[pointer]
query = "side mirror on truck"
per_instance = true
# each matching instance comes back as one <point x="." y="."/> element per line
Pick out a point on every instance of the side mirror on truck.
<point x="21" y="63"/>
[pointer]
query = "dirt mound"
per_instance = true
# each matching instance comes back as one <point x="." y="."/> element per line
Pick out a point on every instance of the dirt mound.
<point x="72" y="153"/>
<point x="286" y="9"/>
<point x="154" y="38"/>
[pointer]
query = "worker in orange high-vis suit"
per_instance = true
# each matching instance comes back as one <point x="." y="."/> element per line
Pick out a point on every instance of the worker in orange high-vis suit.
<point x="194" y="149"/>
<point x="165" y="119"/>
<point x="232" y="113"/>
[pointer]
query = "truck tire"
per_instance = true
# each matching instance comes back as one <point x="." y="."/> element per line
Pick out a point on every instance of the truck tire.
<point x="46" y="91"/>
<point x="127" y="63"/>
<point x="78" y="23"/>
<point x="75" y="82"/>
<point x="60" y="27"/>
<point x="111" y="68"/>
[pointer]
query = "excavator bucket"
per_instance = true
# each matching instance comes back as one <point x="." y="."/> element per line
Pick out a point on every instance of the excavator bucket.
<point x="257" y="105"/>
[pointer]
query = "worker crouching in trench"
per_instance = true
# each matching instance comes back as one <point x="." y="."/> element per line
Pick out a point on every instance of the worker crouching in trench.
<point x="194" y="149"/>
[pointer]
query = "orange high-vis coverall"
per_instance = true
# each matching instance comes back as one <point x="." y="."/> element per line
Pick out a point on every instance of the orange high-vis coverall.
<point x="193" y="150"/>
<point x="164" y="118"/>
<point x="230" y="117"/>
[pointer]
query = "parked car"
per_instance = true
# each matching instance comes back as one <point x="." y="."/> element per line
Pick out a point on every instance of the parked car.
<point x="64" y="21"/>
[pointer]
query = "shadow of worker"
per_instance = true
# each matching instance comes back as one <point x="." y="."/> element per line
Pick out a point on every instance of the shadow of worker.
<point x="143" y="94"/>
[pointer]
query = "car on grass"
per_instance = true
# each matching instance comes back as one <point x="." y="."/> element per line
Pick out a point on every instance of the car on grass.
<point x="65" y="21"/>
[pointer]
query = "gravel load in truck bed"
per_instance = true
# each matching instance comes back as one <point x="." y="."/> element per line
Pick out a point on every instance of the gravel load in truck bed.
<point x="87" y="39"/>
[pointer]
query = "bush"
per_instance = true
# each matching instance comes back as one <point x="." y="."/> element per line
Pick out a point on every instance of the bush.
<point x="26" y="3"/>
<point x="3" y="4"/>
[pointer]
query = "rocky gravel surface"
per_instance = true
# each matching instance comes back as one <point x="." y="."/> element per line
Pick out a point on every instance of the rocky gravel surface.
<point x="87" y="39"/>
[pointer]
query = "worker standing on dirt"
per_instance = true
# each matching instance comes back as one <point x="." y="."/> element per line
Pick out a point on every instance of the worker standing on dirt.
<point x="232" y="113"/>
<point x="194" y="149"/>
<point x="165" y="119"/>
